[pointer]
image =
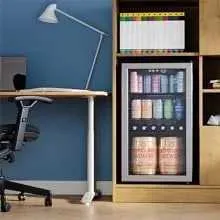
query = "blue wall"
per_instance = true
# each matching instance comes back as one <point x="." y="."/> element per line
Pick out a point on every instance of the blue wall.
<point x="1" y="37"/>
<point x="60" y="56"/>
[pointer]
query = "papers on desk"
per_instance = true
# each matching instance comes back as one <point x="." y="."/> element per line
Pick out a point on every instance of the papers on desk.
<point x="53" y="89"/>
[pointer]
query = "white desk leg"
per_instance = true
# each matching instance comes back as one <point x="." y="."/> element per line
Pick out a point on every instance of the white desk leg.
<point x="89" y="195"/>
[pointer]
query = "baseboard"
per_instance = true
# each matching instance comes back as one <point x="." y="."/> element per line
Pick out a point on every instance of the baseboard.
<point x="69" y="187"/>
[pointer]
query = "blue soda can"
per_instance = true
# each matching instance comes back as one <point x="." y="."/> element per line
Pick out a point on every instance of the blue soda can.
<point x="147" y="84"/>
<point x="164" y="83"/>
<point x="180" y="81"/>
<point x="179" y="109"/>
<point x="172" y="82"/>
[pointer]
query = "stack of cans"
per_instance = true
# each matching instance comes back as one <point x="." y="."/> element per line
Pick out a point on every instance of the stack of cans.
<point x="179" y="109"/>
<point x="164" y="83"/>
<point x="172" y="83"/>
<point x="136" y="109"/>
<point x="180" y="81"/>
<point x="168" y="109"/>
<point x="147" y="107"/>
<point x="147" y="83"/>
<point x="155" y="83"/>
<point x="140" y="83"/>
<point x="143" y="156"/>
<point x="158" y="109"/>
<point x="136" y="82"/>
<point x="171" y="156"/>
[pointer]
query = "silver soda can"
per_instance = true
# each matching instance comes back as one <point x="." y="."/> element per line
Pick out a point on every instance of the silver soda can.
<point x="164" y="83"/>
<point x="157" y="109"/>
<point x="147" y="83"/>
<point x="172" y="84"/>
<point x="140" y="83"/>
<point x="136" y="109"/>
<point x="168" y="109"/>
<point x="180" y="81"/>
<point x="134" y="82"/>
<point x="155" y="83"/>
<point x="147" y="109"/>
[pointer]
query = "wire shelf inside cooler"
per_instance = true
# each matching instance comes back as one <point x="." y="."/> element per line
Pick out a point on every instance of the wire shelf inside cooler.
<point x="164" y="95"/>
<point x="154" y="127"/>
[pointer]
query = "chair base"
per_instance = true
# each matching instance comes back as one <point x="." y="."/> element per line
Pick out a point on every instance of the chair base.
<point x="22" y="188"/>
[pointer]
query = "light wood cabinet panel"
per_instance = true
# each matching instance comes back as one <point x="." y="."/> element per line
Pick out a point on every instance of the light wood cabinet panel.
<point x="209" y="27"/>
<point x="163" y="194"/>
<point x="210" y="156"/>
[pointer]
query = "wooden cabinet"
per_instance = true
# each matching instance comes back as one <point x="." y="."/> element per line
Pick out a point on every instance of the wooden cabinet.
<point x="210" y="27"/>
<point x="210" y="156"/>
<point x="209" y="135"/>
<point x="203" y="48"/>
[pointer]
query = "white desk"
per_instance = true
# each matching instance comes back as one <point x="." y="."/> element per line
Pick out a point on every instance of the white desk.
<point x="90" y="95"/>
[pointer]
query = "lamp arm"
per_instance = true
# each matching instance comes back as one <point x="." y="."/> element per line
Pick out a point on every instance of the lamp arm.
<point x="94" y="61"/>
<point x="98" y="46"/>
<point x="81" y="22"/>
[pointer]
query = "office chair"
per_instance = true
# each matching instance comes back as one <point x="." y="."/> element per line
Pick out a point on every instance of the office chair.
<point x="12" y="138"/>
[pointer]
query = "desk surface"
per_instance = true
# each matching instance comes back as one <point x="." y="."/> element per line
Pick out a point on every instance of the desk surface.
<point x="80" y="94"/>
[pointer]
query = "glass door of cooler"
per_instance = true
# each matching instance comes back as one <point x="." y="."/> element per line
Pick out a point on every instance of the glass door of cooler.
<point x="156" y="129"/>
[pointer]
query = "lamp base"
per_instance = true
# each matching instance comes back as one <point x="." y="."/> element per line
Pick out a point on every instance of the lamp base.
<point x="87" y="198"/>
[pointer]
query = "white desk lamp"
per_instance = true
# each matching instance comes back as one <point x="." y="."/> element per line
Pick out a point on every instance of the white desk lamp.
<point x="49" y="16"/>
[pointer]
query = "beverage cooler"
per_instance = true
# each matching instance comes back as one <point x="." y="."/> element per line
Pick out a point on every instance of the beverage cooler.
<point x="156" y="122"/>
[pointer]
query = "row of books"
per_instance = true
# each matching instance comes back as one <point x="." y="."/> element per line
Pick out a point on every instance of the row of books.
<point x="152" y="31"/>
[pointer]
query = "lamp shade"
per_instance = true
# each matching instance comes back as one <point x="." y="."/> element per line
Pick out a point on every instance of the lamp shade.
<point x="49" y="16"/>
